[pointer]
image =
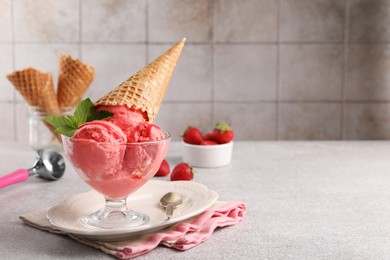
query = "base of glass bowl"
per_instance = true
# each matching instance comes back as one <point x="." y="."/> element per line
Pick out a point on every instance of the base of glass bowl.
<point x="115" y="215"/>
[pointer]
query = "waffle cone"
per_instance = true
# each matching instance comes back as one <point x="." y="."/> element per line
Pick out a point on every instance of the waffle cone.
<point x="145" y="90"/>
<point x="37" y="89"/>
<point x="73" y="80"/>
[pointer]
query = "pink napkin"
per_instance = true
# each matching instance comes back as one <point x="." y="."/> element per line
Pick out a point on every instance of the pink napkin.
<point x="186" y="235"/>
<point x="181" y="236"/>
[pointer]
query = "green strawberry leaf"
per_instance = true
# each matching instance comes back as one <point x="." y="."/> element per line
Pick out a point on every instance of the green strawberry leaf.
<point x="84" y="112"/>
<point x="222" y="126"/>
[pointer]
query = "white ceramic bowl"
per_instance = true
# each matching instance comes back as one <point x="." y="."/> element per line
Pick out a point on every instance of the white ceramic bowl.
<point x="207" y="156"/>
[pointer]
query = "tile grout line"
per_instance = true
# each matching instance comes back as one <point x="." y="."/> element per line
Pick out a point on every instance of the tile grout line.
<point x="212" y="101"/>
<point x="80" y="29"/>
<point x="282" y="43"/>
<point x="147" y="47"/>
<point x="277" y="104"/>
<point x="344" y="71"/>
<point x="382" y="43"/>
<point x="245" y="102"/>
<point x="13" y="55"/>
<point x="258" y="102"/>
<point x="195" y="42"/>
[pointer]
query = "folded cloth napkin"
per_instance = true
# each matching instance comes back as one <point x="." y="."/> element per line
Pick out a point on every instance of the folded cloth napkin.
<point x="181" y="236"/>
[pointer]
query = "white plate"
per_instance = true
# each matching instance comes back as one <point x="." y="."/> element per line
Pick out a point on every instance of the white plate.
<point x="196" y="199"/>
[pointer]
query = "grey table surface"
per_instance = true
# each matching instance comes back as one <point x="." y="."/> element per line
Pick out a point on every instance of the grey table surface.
<point x="306" y="200"/>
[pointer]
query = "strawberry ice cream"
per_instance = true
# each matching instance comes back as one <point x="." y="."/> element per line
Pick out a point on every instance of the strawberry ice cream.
<point x="145" y="132"/>
<point x="100" y="131"/>
<point x="97" y="150"/>
<point x="133" y="123"/>
<point x="108" y="155"/>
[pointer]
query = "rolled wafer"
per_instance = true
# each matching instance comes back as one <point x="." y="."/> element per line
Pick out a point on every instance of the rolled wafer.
<point x="37" y="89"/>
<point x="74" y="78"/>
<point x="145" y="90"/>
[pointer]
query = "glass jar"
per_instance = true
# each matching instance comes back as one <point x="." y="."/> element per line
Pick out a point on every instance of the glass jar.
<point x="42" y="135"/>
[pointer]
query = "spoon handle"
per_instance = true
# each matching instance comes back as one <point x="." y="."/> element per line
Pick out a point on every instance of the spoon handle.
<point x="169" y="211"/>
<point x="14" y="177"/>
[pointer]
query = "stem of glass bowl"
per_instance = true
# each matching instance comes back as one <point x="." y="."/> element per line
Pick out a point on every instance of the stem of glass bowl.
<point x="116" y="215"/>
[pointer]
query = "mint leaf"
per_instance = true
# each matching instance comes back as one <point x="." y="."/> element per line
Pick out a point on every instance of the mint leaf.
<point x="84" y="112"/>
<point x="58" y="121"/>
<point x="66" y="130"/>
<point x="98" y="115"/>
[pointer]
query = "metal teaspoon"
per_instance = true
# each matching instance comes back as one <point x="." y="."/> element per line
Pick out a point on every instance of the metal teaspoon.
<point x="170" y="201"/>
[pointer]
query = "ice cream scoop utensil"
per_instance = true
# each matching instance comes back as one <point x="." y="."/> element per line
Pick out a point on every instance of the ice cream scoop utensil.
<point x="50" y="165"/>
<point x="170" y="201"/>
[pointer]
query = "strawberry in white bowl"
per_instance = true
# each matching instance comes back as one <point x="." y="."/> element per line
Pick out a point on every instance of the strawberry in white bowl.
<point x="213" y="149"/>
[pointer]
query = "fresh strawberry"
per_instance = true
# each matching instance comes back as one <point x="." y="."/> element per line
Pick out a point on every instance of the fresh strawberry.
<point x="223" y="133"/>
<point x="164" y="169"/>
<point x="208" y="136"/>
<point x="208" y="142"/>
<point x="182" y="172"/>
<point x="192" y="135"/>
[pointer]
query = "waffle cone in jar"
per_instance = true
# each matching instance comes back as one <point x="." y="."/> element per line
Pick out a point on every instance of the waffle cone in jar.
<point x="37" y="89"/>
<point x="74" y="78"/>
<point x="145" y="90"/>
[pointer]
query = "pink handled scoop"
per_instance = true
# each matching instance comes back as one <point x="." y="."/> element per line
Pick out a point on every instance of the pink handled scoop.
<point x="50" y="165"/>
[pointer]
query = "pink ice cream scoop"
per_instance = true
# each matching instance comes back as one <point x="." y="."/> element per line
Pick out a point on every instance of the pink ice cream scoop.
<point x="137" y="159"/>
<point x="125" y="118"/>
<point x="133" y="123"/>
<point x="98" y="149"/>
<point x="145" y="132"/>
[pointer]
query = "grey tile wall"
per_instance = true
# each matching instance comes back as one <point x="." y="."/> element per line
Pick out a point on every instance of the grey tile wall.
<point x="178" y="116"/>
<point x="46" y="20"/>
<point x="113" y="21"/>
<point x="193" y="84"/>
<point x="114" y="63"/>
<point x="369" y="21"/>
<point x="245" y="72"/>
<point x="6" y="24"/>
<point x="6" y="64"/>
<point x="370" y="120"/>
<point x="261" y="115"/>
<point x="309" y="121"/>
<point x="312" y="21"/>
<point x="311" y="72"/>
<point x="170" y="20"/>
<point x="368" y="74"/>
<point x="246" y="21"/>
<point x="274" y="69"/>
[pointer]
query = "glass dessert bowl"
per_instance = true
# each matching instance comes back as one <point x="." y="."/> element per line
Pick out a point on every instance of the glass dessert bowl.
<point x="115" y="170"/>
